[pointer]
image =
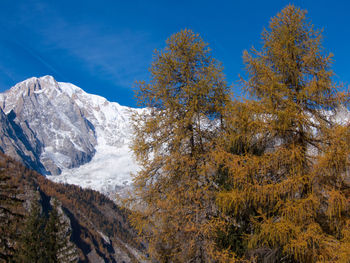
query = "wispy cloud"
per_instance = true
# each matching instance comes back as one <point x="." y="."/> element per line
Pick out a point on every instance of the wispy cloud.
<point x="116" y="54"/>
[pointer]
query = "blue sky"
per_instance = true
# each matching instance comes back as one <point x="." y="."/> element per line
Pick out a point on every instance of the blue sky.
<point x="104" y="46"/>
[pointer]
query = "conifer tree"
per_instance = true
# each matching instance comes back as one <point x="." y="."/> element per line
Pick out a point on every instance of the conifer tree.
<point x="52" y="228"/>
<point x="58" y="246"/>
<point x="185" y="101"/>
<point x="284" y="159"/>
<point x="31" y="247"/>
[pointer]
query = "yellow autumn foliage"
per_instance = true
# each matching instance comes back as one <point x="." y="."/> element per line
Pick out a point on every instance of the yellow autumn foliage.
<point x="264" y="178"/>
<point x="284" y="159"/>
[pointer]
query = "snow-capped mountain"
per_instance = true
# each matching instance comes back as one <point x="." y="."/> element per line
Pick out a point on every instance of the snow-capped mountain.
<point x="74" y="137"/>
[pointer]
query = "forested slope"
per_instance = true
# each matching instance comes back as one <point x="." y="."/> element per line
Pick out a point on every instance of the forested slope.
<point x="99" y="228"/>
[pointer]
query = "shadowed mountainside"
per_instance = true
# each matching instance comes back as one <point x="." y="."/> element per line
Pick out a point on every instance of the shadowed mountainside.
<point x="100" y="230"/>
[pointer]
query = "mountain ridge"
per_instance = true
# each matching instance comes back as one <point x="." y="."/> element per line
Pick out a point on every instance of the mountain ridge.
<point x="79" y="138"/>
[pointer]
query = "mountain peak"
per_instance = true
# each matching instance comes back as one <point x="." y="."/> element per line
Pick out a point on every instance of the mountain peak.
<point x="78" y="138"/>
<point x="46" y="79"/>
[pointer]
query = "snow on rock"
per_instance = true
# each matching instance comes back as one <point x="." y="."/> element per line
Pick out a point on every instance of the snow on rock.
<point x="79" y="138"/>
<point x="72" y="136"/>
<point x="111" y="167"/>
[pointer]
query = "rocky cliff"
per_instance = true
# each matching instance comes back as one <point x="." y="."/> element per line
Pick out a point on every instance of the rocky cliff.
<point x="61" y="131"/>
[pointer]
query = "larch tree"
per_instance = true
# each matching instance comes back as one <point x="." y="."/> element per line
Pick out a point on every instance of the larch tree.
<point x="185" y="101"/>
<point x="284" y="159"/>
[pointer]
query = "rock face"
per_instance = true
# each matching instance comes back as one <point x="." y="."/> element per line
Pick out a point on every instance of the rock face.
<point x="54" y="127"/>
<point x="74" y="137"/>
<point x="16" y="144"/>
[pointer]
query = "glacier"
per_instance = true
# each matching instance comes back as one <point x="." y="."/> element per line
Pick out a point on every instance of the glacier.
<point x="80" y="138"/>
